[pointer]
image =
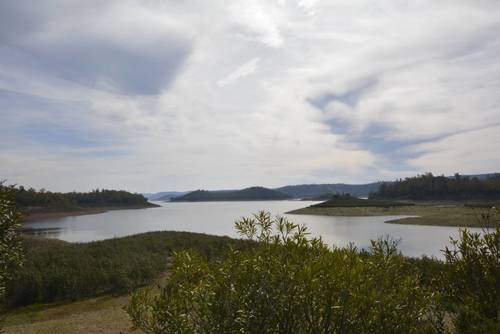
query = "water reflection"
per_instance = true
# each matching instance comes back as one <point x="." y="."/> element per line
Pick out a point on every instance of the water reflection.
<point x="48" y="232"/>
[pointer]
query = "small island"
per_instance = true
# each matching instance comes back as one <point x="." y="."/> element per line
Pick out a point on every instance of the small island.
<point x="247" y="194"/>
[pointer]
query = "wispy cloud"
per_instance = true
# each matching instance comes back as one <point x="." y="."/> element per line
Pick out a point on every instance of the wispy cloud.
<point x="241" y="71"/>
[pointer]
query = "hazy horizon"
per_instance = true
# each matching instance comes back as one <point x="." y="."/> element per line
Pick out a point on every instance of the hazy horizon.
<point x="151" y="95"/>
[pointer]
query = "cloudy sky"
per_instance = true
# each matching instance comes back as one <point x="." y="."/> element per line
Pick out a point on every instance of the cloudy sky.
<point x="176" y="95"/>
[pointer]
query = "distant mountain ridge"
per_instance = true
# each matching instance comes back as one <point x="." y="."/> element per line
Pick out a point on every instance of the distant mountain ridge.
<point x="299" y="191"/>
<point x="247" y="194"/>
<point x="481" y="176"/>
<point x="164" y="195"/>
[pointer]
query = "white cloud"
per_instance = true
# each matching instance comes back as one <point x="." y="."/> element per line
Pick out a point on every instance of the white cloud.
<point x="480" y="157"/>
<point x="309" y="6"/>
<point x="259" y="92"/>
<point x="257" y="18"/>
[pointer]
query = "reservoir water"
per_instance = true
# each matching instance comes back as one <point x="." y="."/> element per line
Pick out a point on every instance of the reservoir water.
<point x="218" y="218"/>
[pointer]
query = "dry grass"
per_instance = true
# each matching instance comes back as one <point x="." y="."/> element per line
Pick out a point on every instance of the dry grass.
<point x="427" y="214"/>
<point x="96" y="315"/>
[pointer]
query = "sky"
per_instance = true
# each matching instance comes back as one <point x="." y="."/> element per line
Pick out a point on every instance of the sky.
<point x="157" y="95"/>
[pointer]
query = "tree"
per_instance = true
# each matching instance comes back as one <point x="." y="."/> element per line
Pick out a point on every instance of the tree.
<point x="10" y="244"/>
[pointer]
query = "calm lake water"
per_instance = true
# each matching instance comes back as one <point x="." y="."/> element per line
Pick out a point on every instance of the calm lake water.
<point x="218" y="218"/>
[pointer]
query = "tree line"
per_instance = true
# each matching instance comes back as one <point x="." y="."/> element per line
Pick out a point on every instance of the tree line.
<point x="30" y="199"/>
<point x="430" y="187"/>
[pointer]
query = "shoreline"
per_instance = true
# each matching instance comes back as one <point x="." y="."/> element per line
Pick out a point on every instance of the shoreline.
<point x="40" y="216"/>
<point x="420" y="214"/>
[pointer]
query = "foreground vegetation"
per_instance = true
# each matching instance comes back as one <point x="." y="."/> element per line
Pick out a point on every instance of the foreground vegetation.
<point x="59" y="271"/>
<point x="291" y="284"/>
<point x="10" y="243"/>
<point x="290" y="281"/>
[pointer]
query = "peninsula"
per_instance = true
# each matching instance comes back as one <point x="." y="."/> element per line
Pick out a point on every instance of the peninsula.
<point x="43" y="204"/>
<point x="425" y="200"/>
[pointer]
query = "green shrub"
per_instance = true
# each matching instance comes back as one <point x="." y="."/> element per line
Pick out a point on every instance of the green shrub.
<point x="472" y="285"/>
<point x="10" y="245"/>
<point x="289" y="284"/>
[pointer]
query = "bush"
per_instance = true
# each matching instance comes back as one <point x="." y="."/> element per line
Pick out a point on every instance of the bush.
<point x="289" y="284"/>
<point x="473" y="279"/>
<point x="10" y="245"/>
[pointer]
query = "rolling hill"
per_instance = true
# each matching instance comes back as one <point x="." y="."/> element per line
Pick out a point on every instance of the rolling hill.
<point x="247" y="194"/>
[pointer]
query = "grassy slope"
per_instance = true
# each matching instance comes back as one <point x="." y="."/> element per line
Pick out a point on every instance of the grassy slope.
<point x="58" y="271"/>
<point x="427" y="214"/>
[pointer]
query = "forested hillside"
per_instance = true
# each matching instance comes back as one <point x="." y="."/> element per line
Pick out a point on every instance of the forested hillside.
<point x="315" y="190"/>
<point x="33" y="200"/>
<point x="430" y="187"/>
